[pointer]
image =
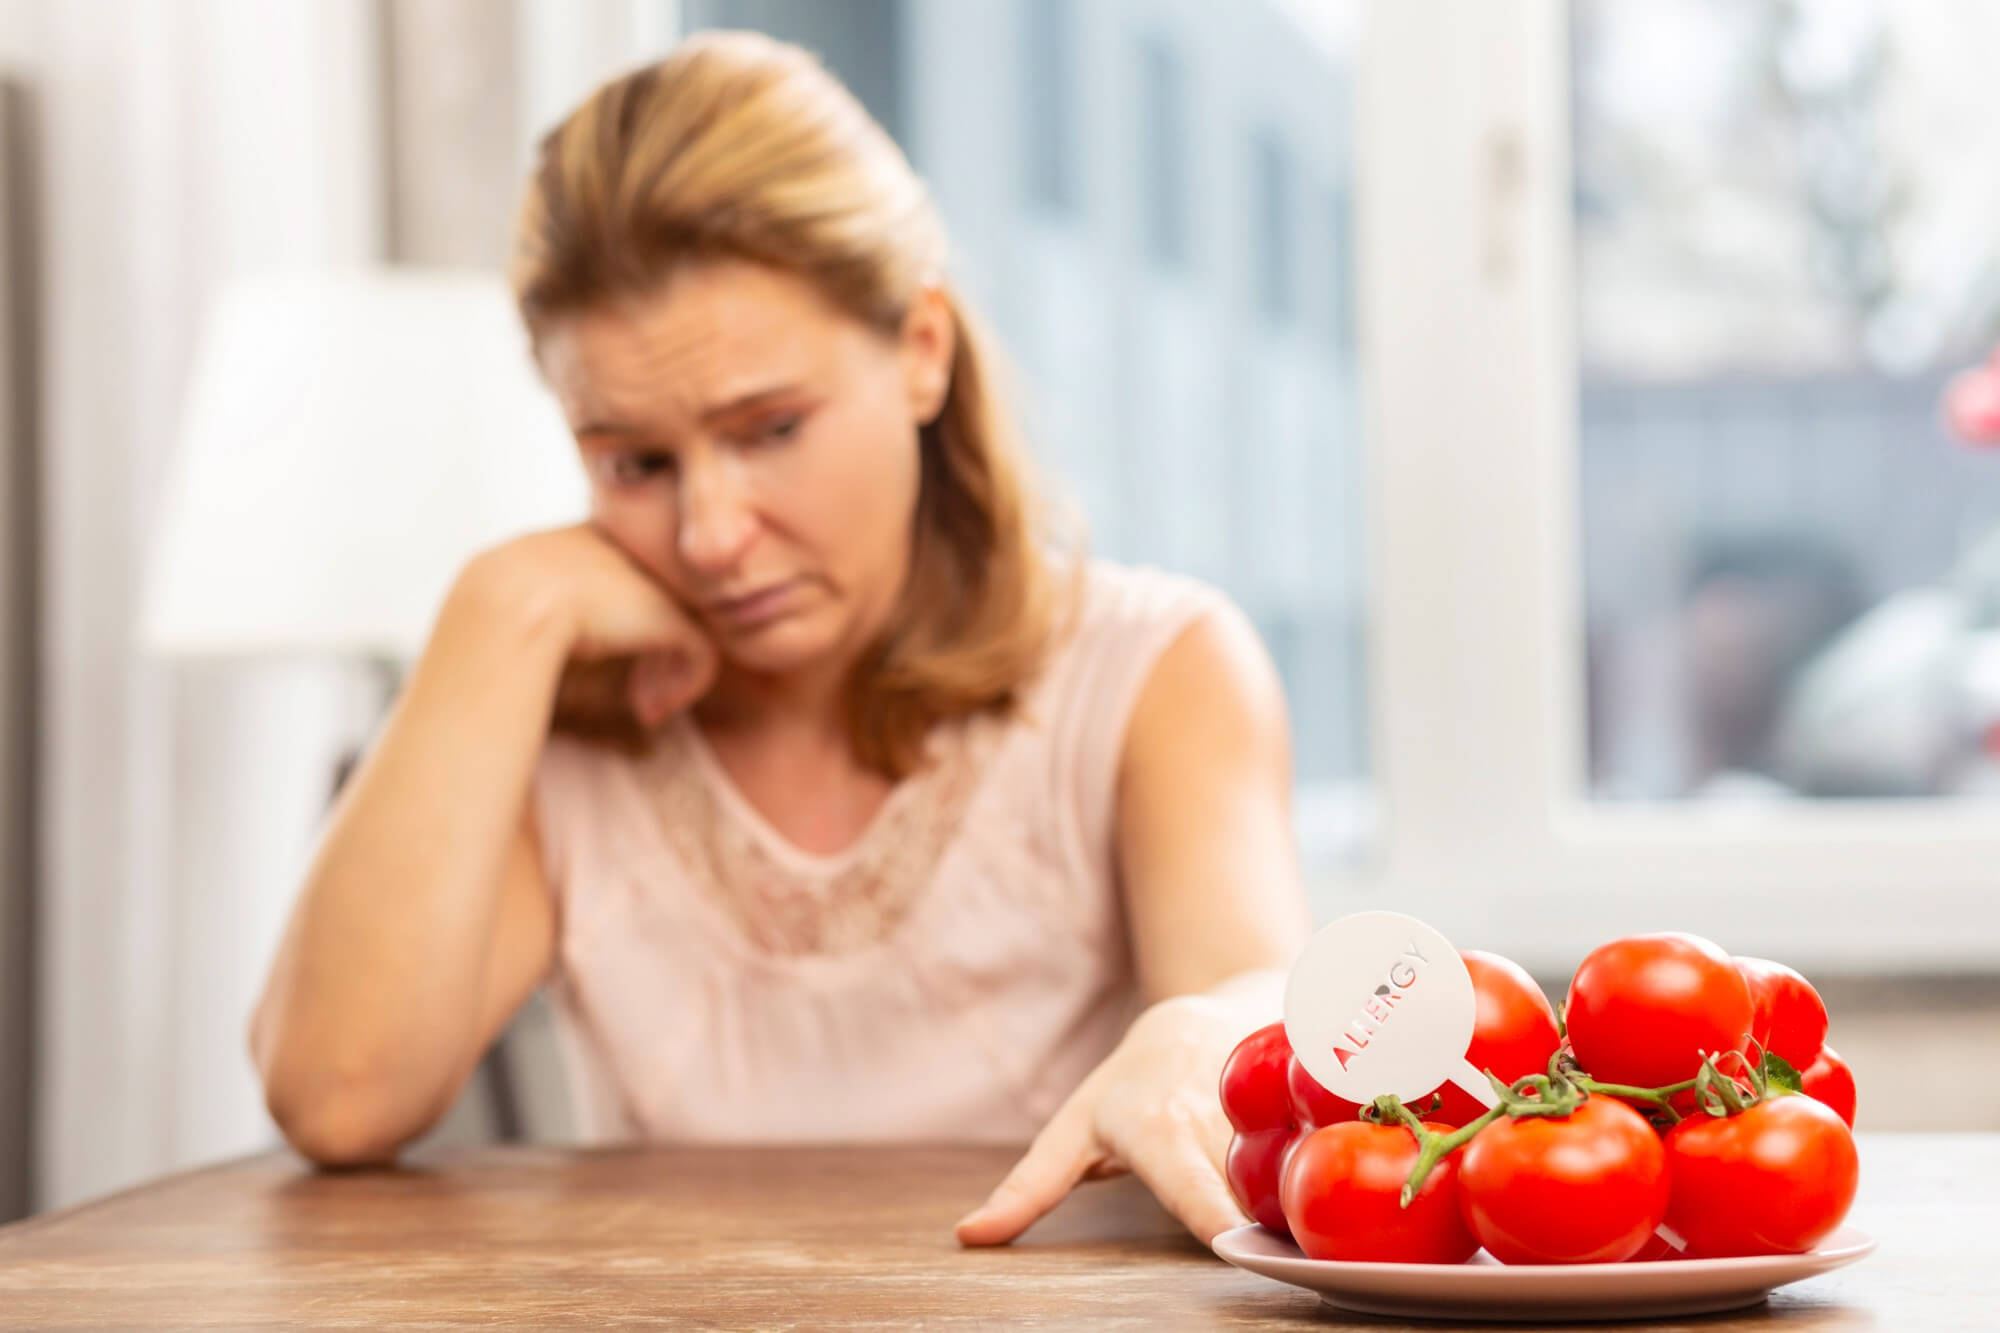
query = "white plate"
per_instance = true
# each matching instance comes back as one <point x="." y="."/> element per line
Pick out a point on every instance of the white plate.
<point x="1483" y="1288"/>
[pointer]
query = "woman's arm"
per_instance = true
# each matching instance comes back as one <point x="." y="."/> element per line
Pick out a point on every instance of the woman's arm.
<point x="424" y="921"/>
<point x="1211" y="876"/>
<point x="1217" y="914"/>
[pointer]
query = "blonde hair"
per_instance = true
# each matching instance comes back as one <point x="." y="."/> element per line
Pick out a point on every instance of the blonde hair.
<point x="738" y="146"/>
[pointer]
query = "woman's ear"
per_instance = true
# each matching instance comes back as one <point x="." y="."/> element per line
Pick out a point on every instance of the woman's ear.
<point x="929" y="341"/>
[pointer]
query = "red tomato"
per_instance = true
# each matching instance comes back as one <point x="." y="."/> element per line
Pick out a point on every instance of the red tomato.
<point x="1312" y="1104"/>
<point x="1514" y="1034"/>
<point x="1258" y="1101"/>
<point x="1584" y="1188"/>
<point x="1254" y="1168"/>
<point x="1254" y="1094"/>
<point x="1775" y="1179"/>
<point x="1788" y="1017"/>
<point x="1341" y="1191"/>
<point x="1829" y="1080"/>
<point x="1643" y="1010"/>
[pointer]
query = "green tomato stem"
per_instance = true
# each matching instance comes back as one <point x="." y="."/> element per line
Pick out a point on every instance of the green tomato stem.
<point x="1659" y="1095"/>
<point x="1557" y="1094"/>
<point x="1432" y="1147"/>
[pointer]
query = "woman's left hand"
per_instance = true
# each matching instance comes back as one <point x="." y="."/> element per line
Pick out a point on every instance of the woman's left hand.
<point x="1151" y="1108"/>
<point x="1217" y="915"/>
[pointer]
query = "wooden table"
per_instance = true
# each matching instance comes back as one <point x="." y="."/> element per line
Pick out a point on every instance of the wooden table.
<point x="807" y="1238"/>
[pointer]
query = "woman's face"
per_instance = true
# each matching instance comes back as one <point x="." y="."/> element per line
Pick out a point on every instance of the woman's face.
<point x="756" y="450"/>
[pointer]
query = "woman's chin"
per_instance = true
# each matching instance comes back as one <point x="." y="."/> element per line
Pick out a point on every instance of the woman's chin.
<point x="778" y="649"/>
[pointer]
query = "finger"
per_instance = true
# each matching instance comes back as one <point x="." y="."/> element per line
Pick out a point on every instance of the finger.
<point x="1177" y="1169"/>
<point x="704" y="660"/>
<point x="1054" y="1162"/>
<point x="661" y="684"/>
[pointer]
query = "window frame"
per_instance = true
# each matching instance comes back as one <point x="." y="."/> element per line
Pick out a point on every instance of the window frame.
<point x="1468" y="359"/>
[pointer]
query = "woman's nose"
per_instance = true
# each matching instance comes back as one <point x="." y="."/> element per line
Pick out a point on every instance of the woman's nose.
<point x="717" y="521"/>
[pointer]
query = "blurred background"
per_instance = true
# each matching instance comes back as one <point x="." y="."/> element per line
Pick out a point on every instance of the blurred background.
<point x="1589" y="402"/>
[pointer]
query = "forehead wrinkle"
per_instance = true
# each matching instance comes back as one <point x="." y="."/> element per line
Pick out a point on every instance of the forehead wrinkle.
<point x="712" y="347"/>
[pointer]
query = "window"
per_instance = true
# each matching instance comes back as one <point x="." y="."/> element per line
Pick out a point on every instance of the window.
<point x="1275" y="256"/>
<point x="1048" y="104"/>
<point x="1339" y="306"/>
<point x="1777" y="267"/>
<point x="1163" y="144"/>
<point x="856" y="39"/>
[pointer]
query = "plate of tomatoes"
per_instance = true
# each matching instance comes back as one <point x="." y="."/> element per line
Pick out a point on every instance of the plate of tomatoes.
<point x="1677" y="1140"/>
<point x="1484" y="1288"/>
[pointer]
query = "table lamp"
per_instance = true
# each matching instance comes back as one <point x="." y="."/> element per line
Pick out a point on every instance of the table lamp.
<point x="349" y="439"/>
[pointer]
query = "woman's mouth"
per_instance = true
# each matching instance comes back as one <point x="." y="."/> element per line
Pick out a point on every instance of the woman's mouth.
<point x="758" y="607"/>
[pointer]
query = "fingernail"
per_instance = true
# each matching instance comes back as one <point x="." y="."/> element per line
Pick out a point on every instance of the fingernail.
<point x="969" y="1219"/>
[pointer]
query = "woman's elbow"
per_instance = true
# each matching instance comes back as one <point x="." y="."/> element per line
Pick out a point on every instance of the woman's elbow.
<point x="341" y="1121"/>
<point x="341" y="1136"/>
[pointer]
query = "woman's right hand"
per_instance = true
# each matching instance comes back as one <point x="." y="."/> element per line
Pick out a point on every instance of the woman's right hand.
<point x="427" y="915"/>
<point x="636" y="656"/>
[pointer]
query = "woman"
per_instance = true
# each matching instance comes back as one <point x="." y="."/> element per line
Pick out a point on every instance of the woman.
<point x="912" y="826"/>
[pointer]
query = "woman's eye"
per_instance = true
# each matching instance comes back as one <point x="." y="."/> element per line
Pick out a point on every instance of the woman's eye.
<point x="633" y="468"/>
<point x="779" y="430"/>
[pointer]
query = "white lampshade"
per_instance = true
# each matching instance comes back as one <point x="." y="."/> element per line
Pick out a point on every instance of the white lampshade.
<point x="350" y="439"/>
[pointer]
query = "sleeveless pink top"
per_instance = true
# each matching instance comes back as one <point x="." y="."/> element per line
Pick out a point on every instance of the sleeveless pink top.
<point x="953" y="974"/>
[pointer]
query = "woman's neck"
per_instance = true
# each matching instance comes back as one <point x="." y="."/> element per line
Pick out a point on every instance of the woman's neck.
<point x="796" y="709"/>
<point x="784" y="744"/>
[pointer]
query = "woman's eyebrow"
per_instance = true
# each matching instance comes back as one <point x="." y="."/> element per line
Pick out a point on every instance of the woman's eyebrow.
<point x="606" y="428"/>
<point x="743" y="402"/>
<point x="740" y="403"/>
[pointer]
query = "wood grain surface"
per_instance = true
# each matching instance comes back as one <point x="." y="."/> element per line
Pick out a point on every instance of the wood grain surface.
<point x="808" y="1238"/>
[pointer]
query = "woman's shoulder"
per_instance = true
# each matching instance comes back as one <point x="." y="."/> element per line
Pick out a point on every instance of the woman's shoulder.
<point x="1066" y="741"/>
<point x="1122" y="620"/>
<point x="1123" y="609"/>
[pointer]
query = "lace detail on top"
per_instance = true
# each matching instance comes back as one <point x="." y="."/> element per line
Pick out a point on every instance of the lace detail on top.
<point x="786" y="901"/>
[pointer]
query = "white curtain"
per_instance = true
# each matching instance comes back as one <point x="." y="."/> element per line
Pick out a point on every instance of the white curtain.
<point x="182" y="143"/>
<point x="185" y="142"/>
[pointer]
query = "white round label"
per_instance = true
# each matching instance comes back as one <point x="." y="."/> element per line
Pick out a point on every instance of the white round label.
<point x="1380" y="1004"/>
